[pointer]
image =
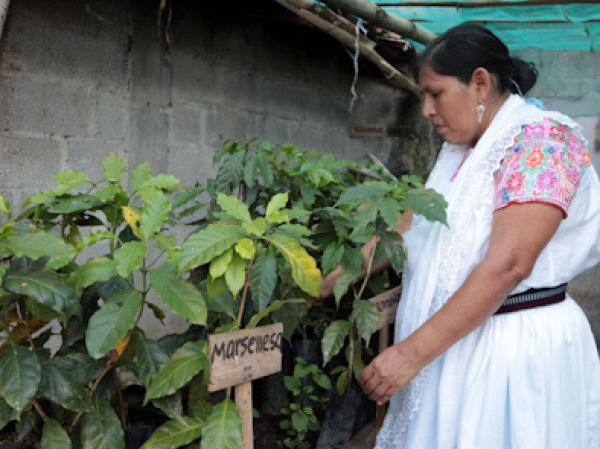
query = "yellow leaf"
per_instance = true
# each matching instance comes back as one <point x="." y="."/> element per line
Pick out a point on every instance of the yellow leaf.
<point x="219" y="264"/>
<point x="235" y="276"/>
<point x="245" y="248"/>
<point x="132" y="217"/>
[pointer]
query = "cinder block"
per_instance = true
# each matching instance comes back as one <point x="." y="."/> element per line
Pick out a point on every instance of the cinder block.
<point x="111" y="115"/>
<point x="28" y="163"/>
<point x="87" y="155"/>
<point x="225" y="123"/>
<point x="191" y="162"/>
<point x="44" y="107"/>
<point x="188" y="122"/>
<point x="82" y="41"/>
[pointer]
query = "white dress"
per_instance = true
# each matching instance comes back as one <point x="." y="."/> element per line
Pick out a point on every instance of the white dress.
<point x="523" y="380"/>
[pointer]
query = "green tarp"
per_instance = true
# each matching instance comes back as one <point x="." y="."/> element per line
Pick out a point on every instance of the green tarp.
<point x="573" y="26"/>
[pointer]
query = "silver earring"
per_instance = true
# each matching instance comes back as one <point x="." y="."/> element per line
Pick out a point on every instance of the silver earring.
<point x="480" y="109"/>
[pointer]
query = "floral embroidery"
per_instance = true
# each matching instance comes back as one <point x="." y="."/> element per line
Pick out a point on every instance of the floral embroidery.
<point x="545" y="164"/>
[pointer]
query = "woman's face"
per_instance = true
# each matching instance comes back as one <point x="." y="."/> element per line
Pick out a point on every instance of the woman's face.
<point x="450" y="105"/>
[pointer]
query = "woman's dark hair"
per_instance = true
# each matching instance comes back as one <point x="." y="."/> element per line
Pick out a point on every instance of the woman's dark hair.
<point x="464" y="48"/>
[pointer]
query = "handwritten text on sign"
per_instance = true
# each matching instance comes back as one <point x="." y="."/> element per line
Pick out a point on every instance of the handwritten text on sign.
<point x="387" y="303"/>
<point x="242" y="356"/>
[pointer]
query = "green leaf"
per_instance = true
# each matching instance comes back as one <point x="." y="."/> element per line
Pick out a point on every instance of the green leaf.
<point x="234" y="207"/>
<point x="187" y="362"/>
<point x="112" y="322"/>
<point x="161" y="182"/>
<point x="256" y="227"/>
<point x="348" y="277"/>
<point x="342" y="383"/>
<point x="223" y="428"/>
<point x="274" y="306"/>
<point x="20" y="375"/>
<point x="363" y="193"/>
<point x="365" y="316"/>
<point x="101" y="428"/>
<point x="332" y="256"/>
<point x="249" y="170"/>
<point x="93" y="238"/>
<point x="219" y="264"/>
<point x="333" y="339"/>
<point x="186" y="196"/>
<point x="54" y="436"/>
<point x="390" y="210"/>
<point x="204" y="245"/>
<point x="7" y="414"/>
<point x="94" y="270"/>
<point x="148" y="357"/>
<point x="235" y="276"/>
<point x="67" y="180"/>
<point x="198" y="400"/>
<point x="80" y="365"/>
<point x="4" y="206"/>
<point x="175" y="433"/>
<point x="74" y="203"/>
<point x="229" y="174"/>
<point x="273" y="213"/>
<point x="129" y="257"/>
<point x="265" y="170"/>
<point x="304" y="268"/>
<point x="139" y="175"/>
<point x="299" y="422"/>
<point x="108" y="192"/>
<point x="428" y="203"/>
<point x="113" y="167"/>
<point x="154" y="214"/>
<point x="263" y="279"/>
<point x="171" y="406"/>
<point x="180" y="296"/>
<point x="59" y="386"/>
<point x="25" y="424"/>
<point x="39" y="244"/>
<point x="45" y="287"/>
<point x="394" y="250"/>
<point x="245" y="248"/>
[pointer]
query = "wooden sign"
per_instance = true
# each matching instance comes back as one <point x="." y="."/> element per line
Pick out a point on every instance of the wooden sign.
<point x="387" y="304"/>
<point x="242" y="356"/>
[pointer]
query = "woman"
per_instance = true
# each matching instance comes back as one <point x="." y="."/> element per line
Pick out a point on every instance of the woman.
<point x="472" y="368"/>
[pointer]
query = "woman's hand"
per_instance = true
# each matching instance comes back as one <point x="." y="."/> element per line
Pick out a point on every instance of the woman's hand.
<point x="389" y="372"/>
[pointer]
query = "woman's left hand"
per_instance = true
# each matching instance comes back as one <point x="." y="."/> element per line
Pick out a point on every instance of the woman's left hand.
<point x="389" y="372"/>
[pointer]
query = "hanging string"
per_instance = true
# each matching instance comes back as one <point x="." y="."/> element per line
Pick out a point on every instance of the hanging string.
<point x="358" y="28"/>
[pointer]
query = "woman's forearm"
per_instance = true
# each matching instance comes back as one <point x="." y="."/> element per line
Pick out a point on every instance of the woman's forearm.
<point x="479" y="297"/>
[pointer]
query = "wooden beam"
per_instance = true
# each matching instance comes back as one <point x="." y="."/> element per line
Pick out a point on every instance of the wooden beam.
<point x="3" y="13"/>
<point x="393" y="75"/>
<point x="377" y="16"/>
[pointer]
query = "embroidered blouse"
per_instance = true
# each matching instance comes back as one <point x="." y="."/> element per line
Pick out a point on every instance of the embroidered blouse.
<point x="545" y="164"/>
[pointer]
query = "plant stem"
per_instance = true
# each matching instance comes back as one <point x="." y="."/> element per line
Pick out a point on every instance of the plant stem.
<point x="101" y="376"/>
<point x="368" y="273"/>
<point x="40" y="410"/>
<point x="244" y="294"/>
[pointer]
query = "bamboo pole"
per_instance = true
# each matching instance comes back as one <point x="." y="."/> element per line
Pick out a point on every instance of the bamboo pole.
<point x="3" y="13"/>
<point x="377" y="16"/>
<point x="396" y="77"/>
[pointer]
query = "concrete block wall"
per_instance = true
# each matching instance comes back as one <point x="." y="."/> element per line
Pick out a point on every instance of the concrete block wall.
<point x="82" y="78"/>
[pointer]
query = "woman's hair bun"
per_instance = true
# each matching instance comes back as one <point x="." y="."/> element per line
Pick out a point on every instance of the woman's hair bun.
<point x="524" y="75"/>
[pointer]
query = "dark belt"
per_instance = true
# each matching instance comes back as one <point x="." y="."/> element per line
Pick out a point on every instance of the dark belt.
<point x="534" y="297"/>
